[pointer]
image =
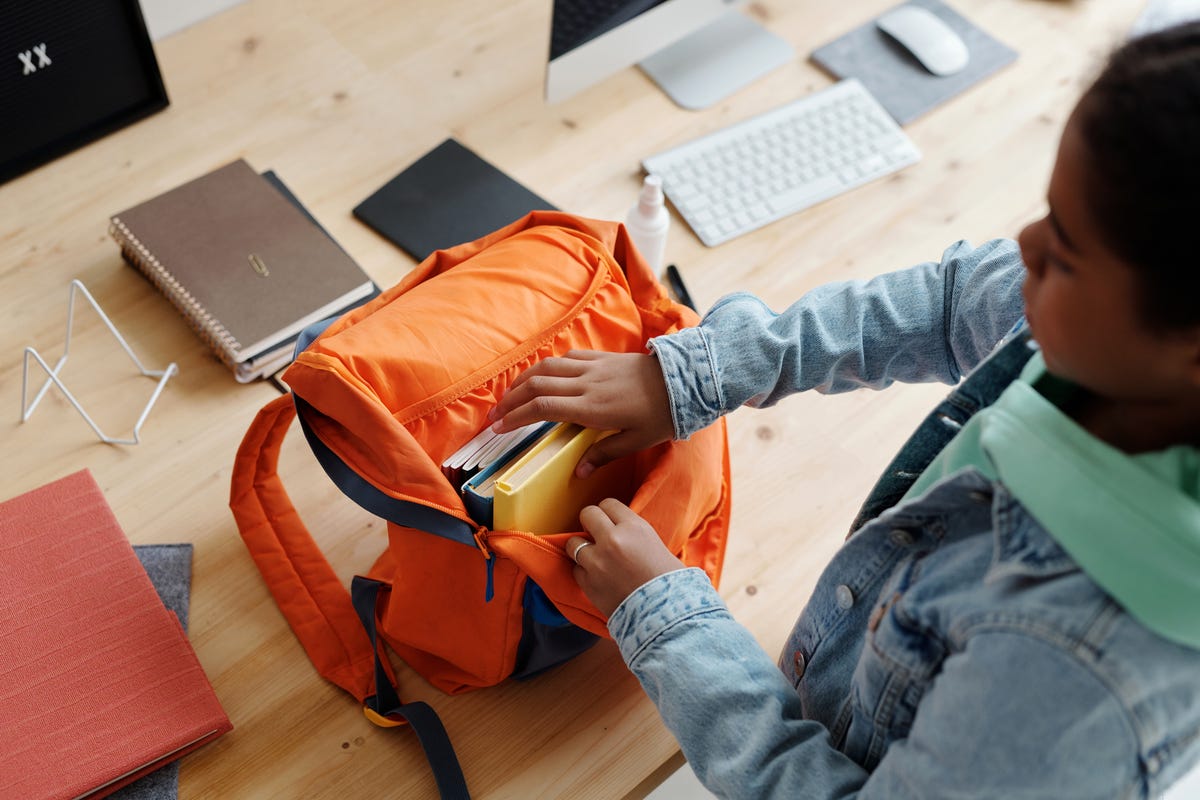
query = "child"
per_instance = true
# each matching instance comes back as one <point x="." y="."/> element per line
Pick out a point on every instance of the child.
<point x="1023" y="618"/>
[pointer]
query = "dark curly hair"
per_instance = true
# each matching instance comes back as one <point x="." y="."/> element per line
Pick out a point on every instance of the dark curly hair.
<point x="1140" y="121"/>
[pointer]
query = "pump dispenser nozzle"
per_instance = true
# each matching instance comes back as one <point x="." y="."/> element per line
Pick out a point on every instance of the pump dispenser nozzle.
<point x="648" y="222"/>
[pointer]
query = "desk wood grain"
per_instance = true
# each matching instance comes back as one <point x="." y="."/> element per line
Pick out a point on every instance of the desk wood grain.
<point x="337" y="98"/>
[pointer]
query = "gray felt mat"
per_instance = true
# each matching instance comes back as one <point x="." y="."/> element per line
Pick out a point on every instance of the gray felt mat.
<point x="170" y="569"/>
<point x="896" y="79"/>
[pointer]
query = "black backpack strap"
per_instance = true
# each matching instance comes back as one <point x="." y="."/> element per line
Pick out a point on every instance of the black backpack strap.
<point x="386" y="706"/>
<point x="980" y="389"/>
<point x="354" y="486"/>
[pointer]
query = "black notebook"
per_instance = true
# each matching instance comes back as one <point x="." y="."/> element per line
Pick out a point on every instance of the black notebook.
<point x="447" y="197"/>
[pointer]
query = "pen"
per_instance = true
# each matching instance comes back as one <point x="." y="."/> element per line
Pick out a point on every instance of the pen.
<point x="675" y="280"/>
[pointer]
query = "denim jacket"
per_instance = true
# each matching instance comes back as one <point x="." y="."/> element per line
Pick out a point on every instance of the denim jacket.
<point x="951" y="648"/>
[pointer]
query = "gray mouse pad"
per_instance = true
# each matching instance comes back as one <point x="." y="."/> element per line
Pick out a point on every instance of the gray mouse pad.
<point x="895" y="77"/>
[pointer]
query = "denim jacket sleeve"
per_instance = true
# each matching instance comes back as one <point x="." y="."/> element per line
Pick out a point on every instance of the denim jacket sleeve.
<point x="931" y="322"/>
<point x="741" y="727"/>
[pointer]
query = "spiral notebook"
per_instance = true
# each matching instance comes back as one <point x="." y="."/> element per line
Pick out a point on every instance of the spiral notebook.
<point x="244" y="266"/>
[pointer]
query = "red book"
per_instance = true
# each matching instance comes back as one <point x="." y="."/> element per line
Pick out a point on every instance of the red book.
<point x="98" y="682"/>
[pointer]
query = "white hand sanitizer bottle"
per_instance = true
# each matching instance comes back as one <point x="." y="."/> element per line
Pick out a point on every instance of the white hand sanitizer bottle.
<point x="648" y="222"/>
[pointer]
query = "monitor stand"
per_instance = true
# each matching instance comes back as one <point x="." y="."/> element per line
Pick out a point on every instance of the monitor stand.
<point x="707" y="66"/>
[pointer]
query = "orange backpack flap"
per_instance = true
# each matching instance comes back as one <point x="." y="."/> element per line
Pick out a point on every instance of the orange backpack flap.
<point x="386" y="392"/>
<point x="399" y="389"/>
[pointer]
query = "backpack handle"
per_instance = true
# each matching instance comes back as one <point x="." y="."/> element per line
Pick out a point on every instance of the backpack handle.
<point x="339" y="640"/>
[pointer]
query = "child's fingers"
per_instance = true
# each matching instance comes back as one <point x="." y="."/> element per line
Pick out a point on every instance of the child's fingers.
<point x="538" y="386"/>
<point x="570" y="365"/>
<point x="585" y="355"/>
<point x="540" y="408"/>
<point x="531" y="398"/>
<point x="552" y="376"/>
<point x="608" y="449"/>
<point x="617" y="511"/>
<point x="576" y="545"/>
<point x="541" y="371"/>
<point x="596" y="522"/>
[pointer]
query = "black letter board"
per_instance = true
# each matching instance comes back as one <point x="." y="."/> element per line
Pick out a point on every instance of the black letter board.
<point x="71" y="71"/>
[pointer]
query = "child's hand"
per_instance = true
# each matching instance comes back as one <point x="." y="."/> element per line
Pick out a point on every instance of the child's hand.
<point x="626" y="553"/>
<point x="624" y="392"/>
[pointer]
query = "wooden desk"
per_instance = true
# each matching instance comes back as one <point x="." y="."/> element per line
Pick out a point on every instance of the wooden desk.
<point x="337" y="98"/>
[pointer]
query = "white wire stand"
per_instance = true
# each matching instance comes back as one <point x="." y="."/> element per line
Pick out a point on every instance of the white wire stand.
<point x="27" y="407"/>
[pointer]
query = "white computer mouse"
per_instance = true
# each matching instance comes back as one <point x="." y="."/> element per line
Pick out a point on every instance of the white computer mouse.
<point x="931" y="41"/>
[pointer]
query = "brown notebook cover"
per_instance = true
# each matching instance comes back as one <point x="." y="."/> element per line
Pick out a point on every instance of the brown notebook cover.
<point x="98" y="682"/>
<point x="245" y="266"/>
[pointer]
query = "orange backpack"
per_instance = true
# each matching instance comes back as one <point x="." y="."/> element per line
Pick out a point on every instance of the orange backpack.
<point x="390" y="389"/>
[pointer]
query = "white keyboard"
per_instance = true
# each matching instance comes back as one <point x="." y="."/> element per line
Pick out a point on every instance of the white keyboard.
<point x="762" y="169"/>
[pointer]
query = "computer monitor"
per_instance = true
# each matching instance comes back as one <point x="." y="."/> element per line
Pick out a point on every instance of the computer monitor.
<point x="697" y="51"/>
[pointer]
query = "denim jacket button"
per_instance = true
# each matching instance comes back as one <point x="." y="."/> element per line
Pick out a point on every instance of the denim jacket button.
<point x="901" y="537"/>
<point x="980" y="496"/>
<point x="800" y="664"/>
<point x="844" y="597"/>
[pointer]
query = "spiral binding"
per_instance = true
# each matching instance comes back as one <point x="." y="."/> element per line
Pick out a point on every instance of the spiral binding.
<point x="209" y="328"/>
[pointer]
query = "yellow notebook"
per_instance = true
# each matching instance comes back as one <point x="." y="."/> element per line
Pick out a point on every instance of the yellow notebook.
<point x="539" y="492"/>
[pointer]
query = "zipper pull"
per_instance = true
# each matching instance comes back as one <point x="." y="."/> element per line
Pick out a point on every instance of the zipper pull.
<point x="489" y="590"/>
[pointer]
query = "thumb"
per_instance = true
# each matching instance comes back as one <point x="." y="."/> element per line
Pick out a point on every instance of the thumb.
<point x="610" y="448"/>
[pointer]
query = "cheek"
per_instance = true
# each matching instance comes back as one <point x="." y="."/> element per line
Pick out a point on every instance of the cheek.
<point x="1051" y="312"/>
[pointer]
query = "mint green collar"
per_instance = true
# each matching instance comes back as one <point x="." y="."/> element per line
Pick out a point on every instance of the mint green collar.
<point x="1132" y="523"/>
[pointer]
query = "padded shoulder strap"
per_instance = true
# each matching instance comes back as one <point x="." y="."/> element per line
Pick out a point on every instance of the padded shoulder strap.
<point x="340" y="640"/>
<point x="305" y="587"/>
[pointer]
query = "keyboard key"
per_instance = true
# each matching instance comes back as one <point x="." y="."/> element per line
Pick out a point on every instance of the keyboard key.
<point x="806" y="195"/>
